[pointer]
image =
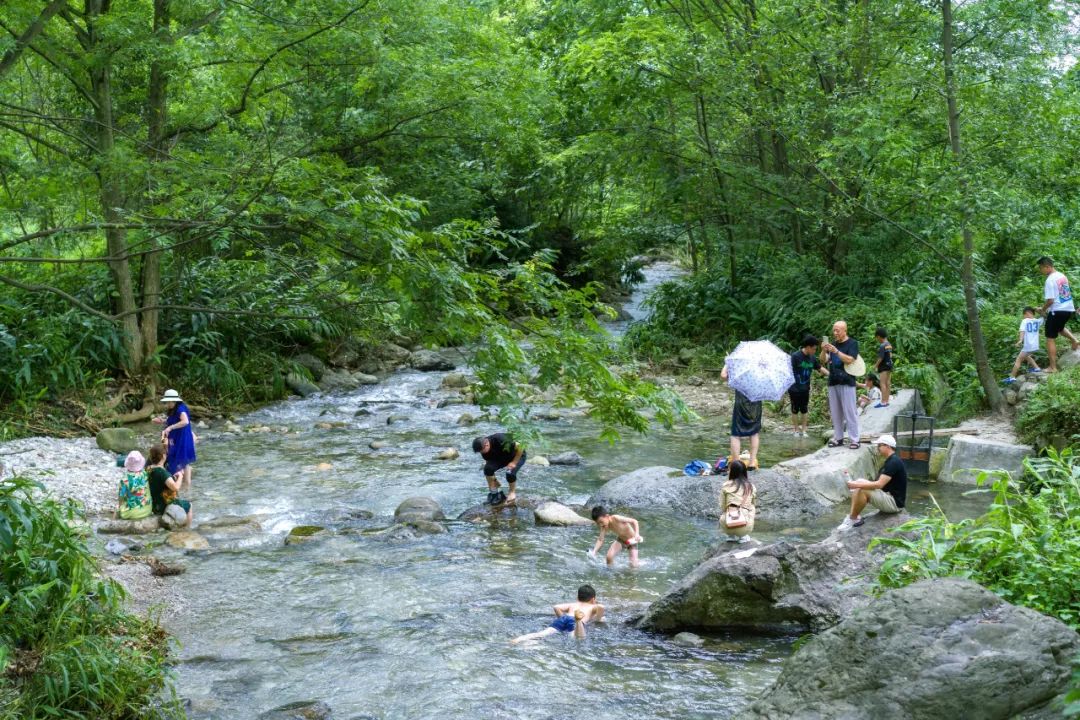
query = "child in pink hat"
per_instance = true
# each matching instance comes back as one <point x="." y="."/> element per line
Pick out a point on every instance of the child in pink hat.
<point x="133" y="499"/>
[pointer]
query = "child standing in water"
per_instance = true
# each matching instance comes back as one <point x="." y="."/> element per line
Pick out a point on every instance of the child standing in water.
<point x="571" y="617"/>
<point x="627" y="534"/>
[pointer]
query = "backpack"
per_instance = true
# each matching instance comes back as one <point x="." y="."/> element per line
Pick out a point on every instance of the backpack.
<point x="697" y="467"/>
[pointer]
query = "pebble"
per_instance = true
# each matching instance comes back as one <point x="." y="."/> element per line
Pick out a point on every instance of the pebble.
<point x="448" y="454"/>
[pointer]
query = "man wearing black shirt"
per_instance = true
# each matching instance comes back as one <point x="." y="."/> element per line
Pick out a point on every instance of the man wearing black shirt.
<point x="500" y="451"/>
<point x="842" y="407"/>
<point x="804" y="363"/>
<point x="888" y="493"/>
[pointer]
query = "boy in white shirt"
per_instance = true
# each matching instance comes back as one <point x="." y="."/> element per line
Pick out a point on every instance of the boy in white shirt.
<point x="1028" y="342"/>
<point x="1058" y="309"/>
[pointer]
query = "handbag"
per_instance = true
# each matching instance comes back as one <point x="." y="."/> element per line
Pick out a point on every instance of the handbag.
<point x="736" y="516"/>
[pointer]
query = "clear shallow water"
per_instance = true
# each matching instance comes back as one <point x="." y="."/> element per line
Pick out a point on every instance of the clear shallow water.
<point x="385" y="628"/>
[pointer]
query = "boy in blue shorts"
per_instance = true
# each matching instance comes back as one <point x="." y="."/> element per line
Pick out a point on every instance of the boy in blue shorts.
<point x="571" y="617"/>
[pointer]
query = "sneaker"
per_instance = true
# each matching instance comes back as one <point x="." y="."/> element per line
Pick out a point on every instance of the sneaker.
<point x="881" y="405"/>
<point x="859" y="522"/>
<point x="732" y="538"/>
<point x="1009" y="380"/>
<point x="491" y="498"/>
<point x="744" y="539"/>
<point x="846" y="525"/>
<point x="500" y="498"/>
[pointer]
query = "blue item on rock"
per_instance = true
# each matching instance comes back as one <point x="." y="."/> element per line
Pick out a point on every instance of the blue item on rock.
<point x="721" y="465"/>
<point x="696" y="467"/>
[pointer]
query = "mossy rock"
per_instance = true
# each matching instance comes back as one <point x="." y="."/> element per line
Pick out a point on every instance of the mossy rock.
<point x="304" y="533"/>
<point x="118" y="440"/>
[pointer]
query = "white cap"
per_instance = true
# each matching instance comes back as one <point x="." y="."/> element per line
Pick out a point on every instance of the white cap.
<point x="886" y="440"/>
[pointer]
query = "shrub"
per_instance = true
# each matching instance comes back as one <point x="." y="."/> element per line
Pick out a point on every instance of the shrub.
<point x="67" y="647"/>
<point x="1053" y="409"/>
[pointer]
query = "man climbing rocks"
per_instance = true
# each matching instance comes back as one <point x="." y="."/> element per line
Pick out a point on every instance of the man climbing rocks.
<point x="1058" y="309"/>
<point x="500" y="451"/>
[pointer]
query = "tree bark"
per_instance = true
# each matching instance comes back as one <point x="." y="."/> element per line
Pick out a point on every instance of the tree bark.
<point x="967" y="269"/>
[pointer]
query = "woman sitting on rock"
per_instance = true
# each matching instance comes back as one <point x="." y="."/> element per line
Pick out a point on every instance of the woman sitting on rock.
<point x="133" y="498"/>
<point x="165" y="488"/>
<point x="738" y="504"/>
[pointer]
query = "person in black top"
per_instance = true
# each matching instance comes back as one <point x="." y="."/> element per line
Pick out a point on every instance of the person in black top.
<point x="500" y="451"/>
<point x="842" y="407"/>
<point x="804" y="363"/>
<point x="888" y="493"/>
<point x="884" y="365"/>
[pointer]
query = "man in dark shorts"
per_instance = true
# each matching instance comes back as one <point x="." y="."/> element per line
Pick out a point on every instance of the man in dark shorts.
<point x="1058" y="309"/>
<point x="888" y="493"/>
<point x="804" y="363"/>
<point x="500" y="451"/>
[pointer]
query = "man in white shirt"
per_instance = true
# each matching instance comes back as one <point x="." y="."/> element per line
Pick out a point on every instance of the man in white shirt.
<point x="1058" y="309"/>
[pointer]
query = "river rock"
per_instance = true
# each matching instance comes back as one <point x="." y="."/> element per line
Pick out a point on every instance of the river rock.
<point x="538" y="460"/>
<point x="687" y="355"/>
<point x="1011" y="396"/>
<point x="553" y="513"/>
<point x="305" y="533"/>
<point x="304" y="710"/>
<point x="429" y="361"/>
<point x="452" y="400"/>
<point x="567" y="458"/>
<point x="393" y="353"/>
<point x="174" y="517"/>
<point x="365" y="379"/>
<point x="940" y="648"/>
<point x="878" y="421"/>
<point x="187" y="540"/>
<point x="312" y="364"/>
<point x="118" y="440"/>
<point x="301" y="385"/>
<point x="418" y="508"/>
<point x="232" y="427"/>
<point x="1068" y="359"/>
<point x="780" y="586"/>
<point x="968" y="456"/>
<point x="338" y="380"/>
<point x="427" y="527"/>
<point x="396" y="418"/>
<point x="377" y="444"/>
<point x="688" y="639"/>
<point x="455" y="380"/>
<point x="507" y="513"/>
<point x="121" y="545"/>
<point x="448" y="454"/>
<point x="822" y="472"/>
<point x="466" y="419"/>
<point x="130" y="527"/>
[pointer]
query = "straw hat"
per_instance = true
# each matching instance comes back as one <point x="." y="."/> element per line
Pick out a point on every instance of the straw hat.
<point x="134" y="462"/>
<point x="171" y="396"/>
<point x="856" y="367"/>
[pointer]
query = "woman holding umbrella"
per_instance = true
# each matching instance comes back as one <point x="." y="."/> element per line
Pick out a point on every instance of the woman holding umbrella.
<point x="756" y="371"/>
<point x="745" y="422"/>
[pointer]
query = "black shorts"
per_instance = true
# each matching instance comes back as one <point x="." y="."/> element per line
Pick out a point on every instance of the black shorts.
<point x="800" y="401"/>
<point x="511" y="470"/>
<point x="1056" y="321"/>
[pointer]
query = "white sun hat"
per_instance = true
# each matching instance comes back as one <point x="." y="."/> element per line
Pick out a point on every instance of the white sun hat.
<point x="171" y="396"/>
<point x="886" y="440"/>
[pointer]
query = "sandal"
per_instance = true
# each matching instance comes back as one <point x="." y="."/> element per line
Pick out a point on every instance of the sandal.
<point x="835" y="443"/>
<point x="854" y="446"/>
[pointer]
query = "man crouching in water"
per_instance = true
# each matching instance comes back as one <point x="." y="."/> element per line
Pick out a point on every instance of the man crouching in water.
<point x="500" y="451"/>
<point x="571" y="617"/>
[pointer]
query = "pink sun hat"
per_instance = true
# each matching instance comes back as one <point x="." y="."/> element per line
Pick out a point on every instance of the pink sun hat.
<point x="134" y="462"/>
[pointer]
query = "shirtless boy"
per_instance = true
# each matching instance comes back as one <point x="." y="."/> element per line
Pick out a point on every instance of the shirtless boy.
<point x="571" y="617"/>
<point x="627" y="534"/>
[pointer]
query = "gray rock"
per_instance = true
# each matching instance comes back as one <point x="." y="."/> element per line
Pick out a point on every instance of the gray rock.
<point x="301" y="385"/>
<point x="512" y="514"/>
<point x="466" y="419"/>
<point x="396" y="418"/>
<point x="822" y="471"/>
<point x="121" y="545"/>
<point x="377" y="444"/>
<point x="304" y="710"/>
<point x="130" y="527"/>
<point x="688" y="639"/>
<point x="687" y="355"/>
<point x="567" y="458"/>
<point x="1068" y="359"/>
<point x="174" y="517"/>
<point x="118" y="440"/>
<point x="452" y="400"/>
<point x="427" y="527"/>
<point x="557" y="514"/>
<point x="969" y="455"/>
<point x="187" y="540"/>
<point x="365" y="379"/>
<point x="1011" y="396"/>
<point x="362" y="412"/>
<point x="455" y="380"/>
<point x="231" y="521"/>
<point x="418" y="508"/>
<point x="393" y="353"/>
<point x="305" y="533"/>
<point x="941" y="648"/>
<point x="448" y="454"/>
<point x="429" y="361"/>
<point x="538" y="460"/>
<point x="312" y="364"/>
<point x="876" y="421"/>
<point x="338" y="380"/>
<point x="779" y="586"/>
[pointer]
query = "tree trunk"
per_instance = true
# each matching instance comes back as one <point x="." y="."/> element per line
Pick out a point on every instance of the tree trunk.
<point x="967" y="269"/>
<point x="111" y="190"/>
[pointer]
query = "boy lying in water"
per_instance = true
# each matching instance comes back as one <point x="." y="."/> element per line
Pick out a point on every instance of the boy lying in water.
<point x="571" y="617"/>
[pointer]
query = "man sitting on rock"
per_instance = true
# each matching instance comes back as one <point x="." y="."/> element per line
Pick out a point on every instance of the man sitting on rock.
<point x="500" y="451"/>
<point x="888" y="493"/>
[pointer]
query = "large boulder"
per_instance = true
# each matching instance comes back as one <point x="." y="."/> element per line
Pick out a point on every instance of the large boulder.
<point x="301" y="385"/>
<point x="365" y="379"/>
<point x="418" y="508"/>
<point x="174" y="517"/>
<point x="338" y="380"/>
<point x="303" y="710"/>
<point x="130" y="527"/>
<point x="822" y="472"/>
<point x="876" y="421"/>
<point x="394" y="354"/>
<point x="312" y="364"/>
<point x="785" y="585"/>
<point x="455" y="380"/>
<point x="550" y="512"/>
<point x="941" y="648"/>
<point x="187" y="540"/>
<point x="968" y="456"/>
<point x="429" y="361"/>
<point x="118" y="440"/>
<point x="567" y="458"/>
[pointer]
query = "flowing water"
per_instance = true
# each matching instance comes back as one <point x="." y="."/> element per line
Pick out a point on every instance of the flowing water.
<point x="380" y="626"/>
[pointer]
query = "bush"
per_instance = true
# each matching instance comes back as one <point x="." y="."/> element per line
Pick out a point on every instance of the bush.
<point x="67" y="647"/>
<point x="1052" y="410"/>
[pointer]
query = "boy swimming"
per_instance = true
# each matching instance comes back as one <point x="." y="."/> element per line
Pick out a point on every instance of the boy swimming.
<point x="627" y="534"/>
<point x="571" y="617"/>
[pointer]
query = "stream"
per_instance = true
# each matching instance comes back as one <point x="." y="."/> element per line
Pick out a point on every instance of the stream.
<point x="378" y="627"/>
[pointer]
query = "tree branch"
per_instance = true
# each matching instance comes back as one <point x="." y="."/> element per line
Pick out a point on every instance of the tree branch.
<point x="24" y="40"/>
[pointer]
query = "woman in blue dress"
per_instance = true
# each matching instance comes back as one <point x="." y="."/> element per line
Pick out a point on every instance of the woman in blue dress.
<point x="178" y="437"/>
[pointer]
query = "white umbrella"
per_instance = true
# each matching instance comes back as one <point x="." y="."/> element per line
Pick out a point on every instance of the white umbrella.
<point x="760" y="370"/>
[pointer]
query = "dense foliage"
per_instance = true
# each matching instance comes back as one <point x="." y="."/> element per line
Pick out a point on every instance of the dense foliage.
<point x="1051" y="414"/>
<point x="67" y="647"/>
